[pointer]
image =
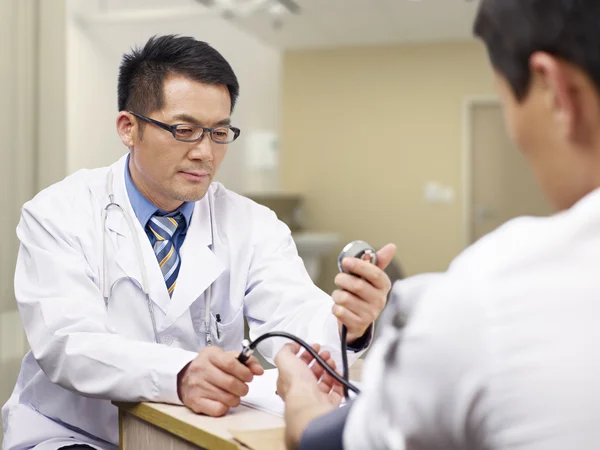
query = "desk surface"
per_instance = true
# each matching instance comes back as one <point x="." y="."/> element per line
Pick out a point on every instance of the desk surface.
<point x="210" y="432"/>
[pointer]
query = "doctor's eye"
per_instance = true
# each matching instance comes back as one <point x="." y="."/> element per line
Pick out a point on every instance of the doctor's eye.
<point x="222" y="134"/>
<point x="187" y="132"/>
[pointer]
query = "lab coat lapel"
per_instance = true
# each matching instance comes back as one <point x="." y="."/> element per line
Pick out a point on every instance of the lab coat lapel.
<point x="126" y="256"/>
<point x="199" y="265"/>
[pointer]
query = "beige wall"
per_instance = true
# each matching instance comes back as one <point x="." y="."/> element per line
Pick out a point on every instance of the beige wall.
<point x="32" y="142"/>
<point x="52" y="95"/>
<point x="363" y="131"/>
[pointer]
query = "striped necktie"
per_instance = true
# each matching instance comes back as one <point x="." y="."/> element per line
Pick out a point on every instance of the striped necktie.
<point x="164" y="229"/>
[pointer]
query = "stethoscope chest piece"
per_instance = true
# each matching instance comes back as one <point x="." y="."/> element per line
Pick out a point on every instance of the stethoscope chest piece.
<point x="357" y="249"/>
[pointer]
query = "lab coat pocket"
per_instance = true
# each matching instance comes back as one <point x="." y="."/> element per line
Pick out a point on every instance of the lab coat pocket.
<point x="228" y="335"/>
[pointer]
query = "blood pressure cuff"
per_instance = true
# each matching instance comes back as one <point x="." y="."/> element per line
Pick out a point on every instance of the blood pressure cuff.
<point x="326" y="432"/>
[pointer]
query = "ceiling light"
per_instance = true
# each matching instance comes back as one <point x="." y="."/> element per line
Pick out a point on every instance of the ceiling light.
<point x="239" y="9"/>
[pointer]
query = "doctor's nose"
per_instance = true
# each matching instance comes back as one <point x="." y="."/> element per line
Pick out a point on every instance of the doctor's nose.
<point x="203" y="149"/>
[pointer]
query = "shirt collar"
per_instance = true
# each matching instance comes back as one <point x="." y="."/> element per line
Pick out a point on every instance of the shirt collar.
<point x="144" y="209"/>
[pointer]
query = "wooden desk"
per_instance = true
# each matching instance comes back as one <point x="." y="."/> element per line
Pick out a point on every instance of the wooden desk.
<point x="149" y="426"/>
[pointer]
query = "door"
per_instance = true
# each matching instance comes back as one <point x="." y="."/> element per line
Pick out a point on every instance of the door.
<point x="502" y="184"/>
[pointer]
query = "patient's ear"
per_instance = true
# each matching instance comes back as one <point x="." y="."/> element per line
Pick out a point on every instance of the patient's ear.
<point x="571" y="95"/>
<point x="551" y="76"/>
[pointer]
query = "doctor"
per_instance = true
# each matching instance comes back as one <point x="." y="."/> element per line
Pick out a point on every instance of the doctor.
<point x="133" y="281"/>
<point x="501" y="351"/>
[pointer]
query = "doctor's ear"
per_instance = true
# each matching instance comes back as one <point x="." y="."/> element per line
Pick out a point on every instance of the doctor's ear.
<point x="126" y="127"/>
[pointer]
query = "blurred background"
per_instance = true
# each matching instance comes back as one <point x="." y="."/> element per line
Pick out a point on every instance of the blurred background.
<point x="361" y="119"/>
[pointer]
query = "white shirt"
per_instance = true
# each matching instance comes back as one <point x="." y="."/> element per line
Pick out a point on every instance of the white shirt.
<point x="501" y="352"/>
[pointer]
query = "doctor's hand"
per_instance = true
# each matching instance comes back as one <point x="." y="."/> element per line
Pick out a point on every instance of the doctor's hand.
<point x="305" y="397"/>
<point x="215" y="381"/>
<point x="362" y="296"/>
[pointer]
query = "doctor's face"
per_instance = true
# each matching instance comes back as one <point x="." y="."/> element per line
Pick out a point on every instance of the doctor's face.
<point x="167" y="171"/>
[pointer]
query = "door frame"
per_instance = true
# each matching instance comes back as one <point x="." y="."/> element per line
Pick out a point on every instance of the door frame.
<point x="469" y="104"/>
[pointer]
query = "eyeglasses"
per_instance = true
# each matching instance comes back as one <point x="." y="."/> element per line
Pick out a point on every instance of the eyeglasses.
<point x="194" y="133"/>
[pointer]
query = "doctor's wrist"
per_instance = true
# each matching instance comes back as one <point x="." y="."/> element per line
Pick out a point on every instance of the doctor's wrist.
<point x="362" y="342"/>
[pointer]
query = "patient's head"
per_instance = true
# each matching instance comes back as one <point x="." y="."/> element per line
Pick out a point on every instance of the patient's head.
<point x="546" y="57"/>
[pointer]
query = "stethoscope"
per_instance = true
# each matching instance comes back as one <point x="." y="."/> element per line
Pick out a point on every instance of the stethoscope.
<point x="355" y="249"/>
<point x="106" y="289"/>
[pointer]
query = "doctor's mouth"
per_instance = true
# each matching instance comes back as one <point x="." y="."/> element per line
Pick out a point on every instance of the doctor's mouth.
<point x="196" y="177"/>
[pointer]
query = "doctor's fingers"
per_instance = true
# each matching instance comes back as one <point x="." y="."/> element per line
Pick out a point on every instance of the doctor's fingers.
<point x="219" y="395"/>
<point x="209" y="407"/>
<point x="353" y="322"/>
<point x="228" y="383"/>
<point x="370" y="272"/>
<point x="227" y="362"/>
<point x="253" y="364"/>
<point x="348" y="304"/>
<point x="362" y="289"/>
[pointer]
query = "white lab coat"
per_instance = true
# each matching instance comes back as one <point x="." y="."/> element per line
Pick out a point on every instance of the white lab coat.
<point x="500" y="352"/>
<point x="83" y="355"/>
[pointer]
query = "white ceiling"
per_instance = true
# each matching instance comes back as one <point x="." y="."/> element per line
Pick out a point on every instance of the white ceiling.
<point x="334" y="23"/>
<point x="327" y="23"/>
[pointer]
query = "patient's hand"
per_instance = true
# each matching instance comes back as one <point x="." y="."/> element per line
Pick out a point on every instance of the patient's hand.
<point x="305" y="396"/>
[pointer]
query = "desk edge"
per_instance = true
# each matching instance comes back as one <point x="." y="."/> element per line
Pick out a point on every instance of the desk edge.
<point x="183" y="430"/>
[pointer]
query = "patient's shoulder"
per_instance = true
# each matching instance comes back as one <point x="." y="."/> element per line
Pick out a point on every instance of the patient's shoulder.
<point x="526" y="242"/>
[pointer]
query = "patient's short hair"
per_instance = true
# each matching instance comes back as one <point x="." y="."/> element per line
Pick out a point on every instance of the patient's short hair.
<point x="513" y="30"/>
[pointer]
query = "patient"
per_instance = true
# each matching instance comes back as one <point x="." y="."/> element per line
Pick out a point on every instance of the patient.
<point x="502" y="350"/>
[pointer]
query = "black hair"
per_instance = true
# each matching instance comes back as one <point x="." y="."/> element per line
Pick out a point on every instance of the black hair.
<point x="144" y="70"/>
<point x="513" y="30"/>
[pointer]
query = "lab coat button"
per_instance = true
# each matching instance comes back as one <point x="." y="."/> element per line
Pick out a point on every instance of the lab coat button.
<point x="399" y="321"/>
<point x="167" y="339"/>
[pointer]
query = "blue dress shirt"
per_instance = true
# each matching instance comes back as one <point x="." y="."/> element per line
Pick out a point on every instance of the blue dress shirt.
<point x="144" y="209"/>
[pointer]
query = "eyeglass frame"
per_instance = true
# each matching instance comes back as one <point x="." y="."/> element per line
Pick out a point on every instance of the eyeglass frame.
<point x="173" y="128"/>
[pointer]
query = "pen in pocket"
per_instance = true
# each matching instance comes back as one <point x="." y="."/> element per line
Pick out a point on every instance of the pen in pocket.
<point x="217" y="326"/>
